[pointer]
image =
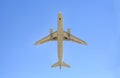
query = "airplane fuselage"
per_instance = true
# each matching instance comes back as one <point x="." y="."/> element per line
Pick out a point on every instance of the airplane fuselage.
<point x="60" y="37"/>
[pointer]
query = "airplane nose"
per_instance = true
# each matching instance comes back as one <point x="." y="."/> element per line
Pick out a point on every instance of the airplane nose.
<point x="60" y="13"/>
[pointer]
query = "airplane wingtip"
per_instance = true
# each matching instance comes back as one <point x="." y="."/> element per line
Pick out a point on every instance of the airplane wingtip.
<point x="35" y="44"/>
<point x="86" y="44"/>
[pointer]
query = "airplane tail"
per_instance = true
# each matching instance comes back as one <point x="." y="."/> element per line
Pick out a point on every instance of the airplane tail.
<point x="60" y="64"/>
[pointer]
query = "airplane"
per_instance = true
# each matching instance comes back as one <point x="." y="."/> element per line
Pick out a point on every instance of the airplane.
<point x="60" y="35"/>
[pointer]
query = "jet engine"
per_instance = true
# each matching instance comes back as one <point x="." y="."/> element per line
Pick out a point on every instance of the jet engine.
<point x="51" y="31"/>
<point x="69" y="32"/>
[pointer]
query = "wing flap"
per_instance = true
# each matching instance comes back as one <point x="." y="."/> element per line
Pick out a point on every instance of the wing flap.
<point x="68" y="36"/>
<point x="75" y="39"/>
<point x="50" y="37"/>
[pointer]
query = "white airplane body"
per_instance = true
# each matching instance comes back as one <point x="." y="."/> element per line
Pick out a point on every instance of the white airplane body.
<point x="60" y="35"/>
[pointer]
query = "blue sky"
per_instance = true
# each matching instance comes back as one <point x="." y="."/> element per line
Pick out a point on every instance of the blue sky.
<point x="22" y="22"/>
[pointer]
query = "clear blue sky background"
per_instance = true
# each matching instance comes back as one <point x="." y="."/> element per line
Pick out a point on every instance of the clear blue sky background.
<point x="22" y="22"/>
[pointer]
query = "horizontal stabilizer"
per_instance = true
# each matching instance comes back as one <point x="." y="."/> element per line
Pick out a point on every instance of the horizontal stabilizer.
<point x="60" y="64"/>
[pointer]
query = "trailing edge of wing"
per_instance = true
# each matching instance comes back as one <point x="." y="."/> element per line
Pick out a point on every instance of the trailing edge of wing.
<point x="47" y="38"/>
<point x="73" y="38"/>
<point x="50" y="37"/>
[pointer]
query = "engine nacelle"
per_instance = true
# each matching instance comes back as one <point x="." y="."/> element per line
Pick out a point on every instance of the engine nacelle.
<point x="69" y="32"/>
<point x="51" y="31"/>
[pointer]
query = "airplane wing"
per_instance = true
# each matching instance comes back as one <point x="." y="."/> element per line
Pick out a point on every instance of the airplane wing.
<point x="52" y="36"/>
<point x="68" y="36"/>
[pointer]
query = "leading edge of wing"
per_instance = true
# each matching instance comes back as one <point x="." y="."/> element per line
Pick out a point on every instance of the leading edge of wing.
<point x="52" y="36"/>
<point x="68" y="36"/>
